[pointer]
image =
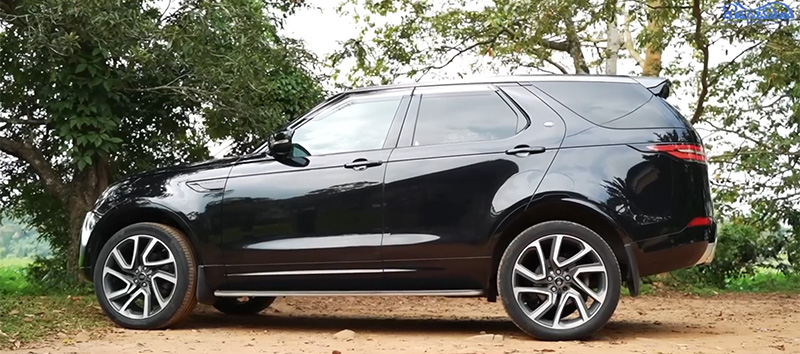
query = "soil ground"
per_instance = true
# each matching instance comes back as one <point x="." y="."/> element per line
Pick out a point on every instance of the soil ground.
<point x="733" y="323"/>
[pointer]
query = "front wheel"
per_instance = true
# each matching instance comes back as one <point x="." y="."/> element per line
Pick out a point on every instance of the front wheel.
<point x="559" y="280"/>
<point x="247" y="305"/>
<point x="145" y="276"/>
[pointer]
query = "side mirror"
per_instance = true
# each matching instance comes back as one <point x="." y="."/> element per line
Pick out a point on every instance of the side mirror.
<point x="280" y="143"/>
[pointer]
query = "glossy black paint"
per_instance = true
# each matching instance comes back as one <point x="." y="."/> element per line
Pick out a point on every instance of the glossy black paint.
<point x="425" y="217"/>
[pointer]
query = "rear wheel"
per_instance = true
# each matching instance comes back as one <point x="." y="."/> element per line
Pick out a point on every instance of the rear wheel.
<point x="247" y="305"/>
<point x="559" y="280"/>
<point x="145" y="277"/>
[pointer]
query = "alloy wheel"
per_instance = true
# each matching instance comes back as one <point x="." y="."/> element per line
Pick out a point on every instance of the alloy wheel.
<point x="139" y="276"/>
<point x="560" y="281"/>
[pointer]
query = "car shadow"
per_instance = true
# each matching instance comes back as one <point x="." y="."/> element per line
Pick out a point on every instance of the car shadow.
<point x="614" y="330"/>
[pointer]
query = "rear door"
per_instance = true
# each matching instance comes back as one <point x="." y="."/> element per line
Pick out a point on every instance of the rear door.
<point x="467" y="155"/>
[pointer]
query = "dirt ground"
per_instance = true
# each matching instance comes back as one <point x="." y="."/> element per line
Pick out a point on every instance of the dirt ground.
<point x="649" y="324"/>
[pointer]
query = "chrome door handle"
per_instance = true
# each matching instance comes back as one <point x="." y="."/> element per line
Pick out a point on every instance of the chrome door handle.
<point x="362" y="164"/>
<point x="525" y="150"/>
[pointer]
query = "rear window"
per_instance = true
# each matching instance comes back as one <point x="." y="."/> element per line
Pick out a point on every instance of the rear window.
<point x="614" y="104"/>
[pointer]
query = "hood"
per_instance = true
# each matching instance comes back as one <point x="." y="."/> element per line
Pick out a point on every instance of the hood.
<point x="186" y="167"/>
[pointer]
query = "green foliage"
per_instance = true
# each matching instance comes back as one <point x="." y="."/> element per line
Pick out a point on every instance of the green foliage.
<point x="97" y="89"/>
<point x="424" y="36"/>
<point x="745" y="257"/>
<point x="52" y="275"/>
<point x="13" y="280"/>
<point x="20" y="241"/>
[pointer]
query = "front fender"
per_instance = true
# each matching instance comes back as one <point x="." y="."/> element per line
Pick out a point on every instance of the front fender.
<point x="98" y="229"/>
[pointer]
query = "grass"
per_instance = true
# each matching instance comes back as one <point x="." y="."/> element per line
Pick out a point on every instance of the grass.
<point x="12" y="276"/>
<point x="26" y="318"/>
<point x="14" y="262"/>
<point x="766" y="281"/>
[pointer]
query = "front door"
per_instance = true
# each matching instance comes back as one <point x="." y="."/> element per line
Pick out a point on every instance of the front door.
<point x="314" y="222"/>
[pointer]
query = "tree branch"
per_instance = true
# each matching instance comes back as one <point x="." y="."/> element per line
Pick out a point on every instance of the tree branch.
<point x="23" y="121"/>
<point x="725" y="66"/>
<point x="574" y="47"/>
<point x="702" y="45"/>
<point x="627" y="40"/>
<point x="36" y="159"/>
<point x="558" y="66"/>
<point x="560" y="46"/>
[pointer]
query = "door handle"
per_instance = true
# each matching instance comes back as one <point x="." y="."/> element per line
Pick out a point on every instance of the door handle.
<point x="525" y="150"/>
<point x="362" y="164"/>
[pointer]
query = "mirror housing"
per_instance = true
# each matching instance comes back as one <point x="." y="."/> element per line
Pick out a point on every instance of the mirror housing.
<point x="280" y="143"/>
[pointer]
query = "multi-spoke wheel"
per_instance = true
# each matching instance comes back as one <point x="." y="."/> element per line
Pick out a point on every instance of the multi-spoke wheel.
<point x="246" y="305"/>
<point x="145" y="276"/>
<point x="559" y="280"/>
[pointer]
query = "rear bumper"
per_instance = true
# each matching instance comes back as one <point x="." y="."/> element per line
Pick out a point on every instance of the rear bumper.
<point x="708" y="256"/>
<point x="690" y="247"/>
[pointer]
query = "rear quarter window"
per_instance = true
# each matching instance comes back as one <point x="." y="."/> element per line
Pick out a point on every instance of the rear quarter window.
<point x="614" y="104"/>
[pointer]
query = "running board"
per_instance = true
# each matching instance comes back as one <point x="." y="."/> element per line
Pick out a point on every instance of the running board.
<point x="276" y="293"/>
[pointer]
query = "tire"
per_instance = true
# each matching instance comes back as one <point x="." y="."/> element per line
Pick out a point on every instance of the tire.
<point x="243" y="306"/>
<point x="527" y="291"/>
<point x="156" y="255"/>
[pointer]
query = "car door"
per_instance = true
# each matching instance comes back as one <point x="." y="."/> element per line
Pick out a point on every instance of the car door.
<point x="314" y="221"/>
<point x="467" y="156"/>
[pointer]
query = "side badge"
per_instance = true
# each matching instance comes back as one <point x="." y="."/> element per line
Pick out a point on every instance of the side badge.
<point x="549" y="124"/>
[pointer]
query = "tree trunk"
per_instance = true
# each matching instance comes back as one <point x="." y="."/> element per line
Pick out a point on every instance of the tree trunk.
<point x="574" y="48"/>
<point x="77" y="211"/>
<point x="86" y="187"/>
<point x="654" y="46"/>
<point x="613" y="45"/>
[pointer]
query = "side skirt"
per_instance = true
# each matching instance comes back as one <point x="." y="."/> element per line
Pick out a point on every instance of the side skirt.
<point x="239" y="293"/>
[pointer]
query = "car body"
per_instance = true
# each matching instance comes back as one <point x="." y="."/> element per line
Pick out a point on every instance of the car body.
<point x="419" y="189"/>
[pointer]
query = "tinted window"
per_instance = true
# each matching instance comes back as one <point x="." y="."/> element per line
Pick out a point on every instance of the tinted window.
<point x="613" y="105"/>
<point x="354" y="125"/>
<point x="457" y="117"/>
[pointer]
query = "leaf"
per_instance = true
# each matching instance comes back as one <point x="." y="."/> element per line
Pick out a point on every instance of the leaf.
<point x="81" y="67"/>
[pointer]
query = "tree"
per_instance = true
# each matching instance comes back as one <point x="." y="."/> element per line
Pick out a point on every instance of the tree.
<point x="749" y="100"/>
<point x="96" y="89"/>
<point x="411" y="38"/>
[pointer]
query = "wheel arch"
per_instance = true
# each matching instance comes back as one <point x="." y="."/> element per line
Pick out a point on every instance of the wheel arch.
<point x="565" y="207"/>
<point x="129" y="214"/>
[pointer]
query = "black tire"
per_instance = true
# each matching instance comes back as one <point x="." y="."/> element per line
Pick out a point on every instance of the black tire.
<point x="243" y="306"/>
<point x="182" y="301"/>
<point x="545" y="231"/>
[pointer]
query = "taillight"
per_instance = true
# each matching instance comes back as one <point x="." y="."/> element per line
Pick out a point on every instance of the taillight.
<point x="690" y="152"/>
<point x="700" y="221"/>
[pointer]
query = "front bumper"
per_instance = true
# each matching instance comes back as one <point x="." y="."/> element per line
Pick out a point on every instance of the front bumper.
<point x="89" y="221"/>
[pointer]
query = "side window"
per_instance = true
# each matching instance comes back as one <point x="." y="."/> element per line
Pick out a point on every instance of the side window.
<point x="463" y="116"/>
<point x="613" y="104"/>
<point x="356" y="124"/>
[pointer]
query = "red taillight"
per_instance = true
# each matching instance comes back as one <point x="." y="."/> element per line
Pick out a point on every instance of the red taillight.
<point x="690" y="152"/>
<point x="700" y="221"/>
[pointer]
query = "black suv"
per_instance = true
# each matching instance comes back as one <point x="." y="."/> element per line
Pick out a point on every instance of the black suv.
<point x="548" y="192"/>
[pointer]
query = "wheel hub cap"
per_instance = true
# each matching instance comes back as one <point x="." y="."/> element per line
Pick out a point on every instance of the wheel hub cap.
<point x="139" y="277"/>
<point x="560" y="281"/>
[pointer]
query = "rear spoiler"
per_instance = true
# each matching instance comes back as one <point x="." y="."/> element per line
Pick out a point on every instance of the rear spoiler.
<point x="659" y="86"/>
